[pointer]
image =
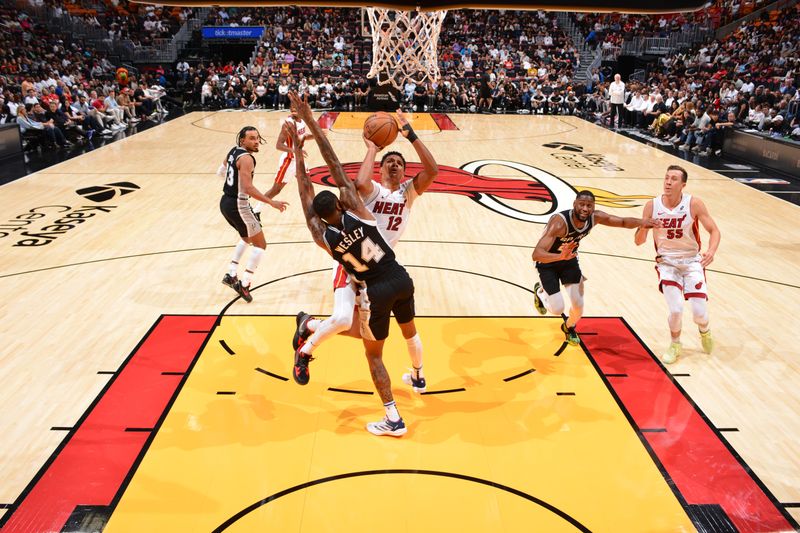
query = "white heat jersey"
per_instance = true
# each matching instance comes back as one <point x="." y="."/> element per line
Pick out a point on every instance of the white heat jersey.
<point x="679" y="237"/>
<point x="392" y="208"/>
<point x="286" y="165"/>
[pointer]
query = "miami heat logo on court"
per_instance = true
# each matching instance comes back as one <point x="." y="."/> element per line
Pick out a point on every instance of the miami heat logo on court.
<point x="489" y="191"/>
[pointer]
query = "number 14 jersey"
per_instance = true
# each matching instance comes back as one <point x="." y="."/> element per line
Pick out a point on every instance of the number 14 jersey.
<point x="360" y="247"/>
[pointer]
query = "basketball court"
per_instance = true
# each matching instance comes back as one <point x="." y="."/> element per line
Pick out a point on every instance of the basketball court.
<point x="140" y="394"/>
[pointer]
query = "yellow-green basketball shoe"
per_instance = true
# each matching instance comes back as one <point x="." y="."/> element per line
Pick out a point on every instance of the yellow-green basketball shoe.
<point x="707" y="341"/>
<point x="537" y="302"/>
<point x="672" y="353"/>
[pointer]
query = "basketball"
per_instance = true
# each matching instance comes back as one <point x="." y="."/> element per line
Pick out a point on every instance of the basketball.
<point x="381" y="128"/>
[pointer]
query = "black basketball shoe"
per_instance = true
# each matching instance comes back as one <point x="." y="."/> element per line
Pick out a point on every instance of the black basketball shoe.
<point x="243" y="291"/>
<point x="301" y="333"/>
<point x="300" y="373"/>
<point x="230" y="281"/>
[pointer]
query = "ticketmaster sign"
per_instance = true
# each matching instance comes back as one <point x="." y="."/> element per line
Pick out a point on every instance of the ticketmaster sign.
<point x="232" y="32"/>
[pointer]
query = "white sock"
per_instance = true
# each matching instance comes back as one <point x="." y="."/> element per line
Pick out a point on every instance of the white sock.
<point x="308" y="347"/>
<point x="313" y="324"/>
<point x="391" y="411"/>
<point x="252" y="264"/>
<point x="415" y="352"/>
<point x="241" y="246"/>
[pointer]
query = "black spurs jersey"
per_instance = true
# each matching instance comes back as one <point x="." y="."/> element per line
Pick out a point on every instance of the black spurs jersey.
<point x="573" y="234"/>
<point x="232" y="186"/>
<point x="360" y="248"/>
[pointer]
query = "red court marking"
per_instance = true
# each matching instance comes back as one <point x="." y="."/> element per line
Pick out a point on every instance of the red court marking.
<point x="443" y="121"/>
<point x="703" y="469"/>
<point x="99" y="454"/>
<point x="327" y="119"/>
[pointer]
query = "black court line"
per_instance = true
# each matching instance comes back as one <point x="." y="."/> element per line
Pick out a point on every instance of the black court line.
<point x="106" y="372"/>
<point x="60" y="428"/>
<point x="199" y="331"/>
<point x="560" y="350"/>
<point x="517" y="376"/>
<point x="168" y="373"/>
<point x="138" y="430"/>
<point x="227" y="348"/>
<point x="728" y="429"/>
<point x="270" y="374"/>
<point x="653" y="430"/>
<point x="226" y="393"/>
<point x="205" y="248"/>
<point x="565" y="394"/>
<point x="271" y="498"/>
<point x="445" y="391"/>
<point x="334" y="389"/>
<point x="791" y="504"/>
<point x="6" y="505"/>
<point x="616" y="375"/>
<point x="681" y="375"/>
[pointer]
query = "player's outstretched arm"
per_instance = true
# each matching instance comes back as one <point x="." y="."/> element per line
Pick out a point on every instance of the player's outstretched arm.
<point x="364" y="183"/>
<point x="625" y="222"/>
<point x="556" y="227"/>
<point x="347" y="190"/>
<point x="701" y="214"/>
<point x="430" y="169"/>
<point x="245" y="165"/>
<point x="315" y="225"/>
<point x="640" y="236"/>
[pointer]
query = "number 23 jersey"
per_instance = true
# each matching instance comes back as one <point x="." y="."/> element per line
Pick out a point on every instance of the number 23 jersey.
<point x="360" y="247"/>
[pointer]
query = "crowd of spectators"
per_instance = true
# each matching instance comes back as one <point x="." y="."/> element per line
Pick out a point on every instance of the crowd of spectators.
<point x="749" y="79"/>
<point x="61" y="91"/>
<point x="491" y="61"/>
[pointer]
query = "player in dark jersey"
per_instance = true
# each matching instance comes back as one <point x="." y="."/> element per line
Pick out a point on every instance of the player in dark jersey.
<point x="237" y="169"/>
<point x="556" y="257"/>
<point x="348" y="231"/>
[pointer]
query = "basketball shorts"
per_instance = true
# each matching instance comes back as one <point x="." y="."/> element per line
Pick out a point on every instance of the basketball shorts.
<point x="564" y="272"/>
<point x="686" y="274"/>
<point x="287" y="168"/>
<point x="379" y="299"/>
<point x="239" y="214"/>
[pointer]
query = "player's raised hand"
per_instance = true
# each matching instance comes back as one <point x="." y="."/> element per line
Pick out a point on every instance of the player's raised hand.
<point x="568" y="251"/>
<point x="370" y="145"/>
<point x="303" y="109"/>
<point x="401" y="119"/>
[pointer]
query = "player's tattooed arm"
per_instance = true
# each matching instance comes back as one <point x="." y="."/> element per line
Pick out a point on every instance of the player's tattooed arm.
<point x="315" y="224"/>
<point x="348" y="195"/>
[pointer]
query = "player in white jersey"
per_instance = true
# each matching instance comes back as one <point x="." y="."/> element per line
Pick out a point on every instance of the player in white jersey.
<point x="390" y="202"/>
<point x="286" y="167"/>
<point x="679" y="262"/>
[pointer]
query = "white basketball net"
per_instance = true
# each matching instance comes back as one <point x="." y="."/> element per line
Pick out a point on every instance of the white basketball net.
<point x="404" y="45"/>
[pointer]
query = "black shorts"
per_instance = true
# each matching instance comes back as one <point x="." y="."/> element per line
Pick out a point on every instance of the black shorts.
<point x="239" y="214"/>
<point x="566" y="272"/>
<point x="393" y="293"/>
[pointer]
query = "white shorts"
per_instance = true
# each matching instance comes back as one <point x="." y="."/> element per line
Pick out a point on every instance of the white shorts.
<point x="686" y="274"/>
<point x="287" y="168"/>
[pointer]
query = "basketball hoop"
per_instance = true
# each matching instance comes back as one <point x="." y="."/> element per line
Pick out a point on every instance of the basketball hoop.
<point x="404" y="45"/>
